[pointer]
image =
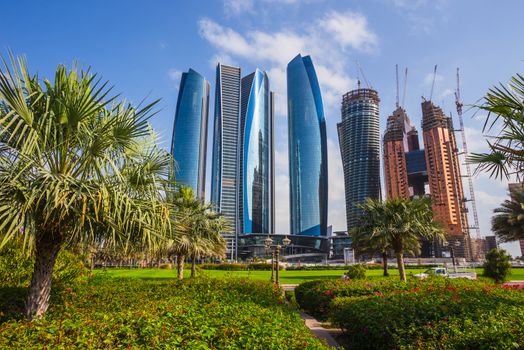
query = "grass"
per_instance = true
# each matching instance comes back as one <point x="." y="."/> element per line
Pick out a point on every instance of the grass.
<point x="286" y="277"/>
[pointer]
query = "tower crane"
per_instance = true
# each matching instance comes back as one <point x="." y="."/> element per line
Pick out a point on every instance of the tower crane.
<point x="458" y="103"/>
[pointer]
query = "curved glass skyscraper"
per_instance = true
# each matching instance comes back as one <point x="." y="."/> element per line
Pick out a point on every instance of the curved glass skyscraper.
<point x="189" y="140"/>
<point x="256" y="155"/>
<point x="359" y="139"/>
<point x="308" y="174"/>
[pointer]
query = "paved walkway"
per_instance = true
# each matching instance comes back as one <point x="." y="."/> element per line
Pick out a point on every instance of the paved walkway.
<point x="315" y="326"/>
<point x="319" y="331"/>
<point x="288" y="286"/>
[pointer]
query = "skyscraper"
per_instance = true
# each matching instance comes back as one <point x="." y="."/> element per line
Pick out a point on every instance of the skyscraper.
<point x="256" y="203"/>
<point x="445" y="184"/>
<point x="359" y="139"/>
<point x="224" y="178"/>
<point x="308" y="178"/>
<point x="404" y="165"/>
<point x="189" y="140"/>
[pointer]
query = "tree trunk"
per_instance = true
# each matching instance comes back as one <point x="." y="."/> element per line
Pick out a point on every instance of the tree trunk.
<point x="180" y="266"/>
<point x="193" y="266"/>
<point x="400" y="263"/>
<point x="385" y="263"/>
<point x="47" y="248"/>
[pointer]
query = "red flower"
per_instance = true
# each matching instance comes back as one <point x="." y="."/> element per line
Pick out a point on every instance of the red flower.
<point x="305" y="343"/>
<point x="379" y="294"/>
<point x="365" y="330"/>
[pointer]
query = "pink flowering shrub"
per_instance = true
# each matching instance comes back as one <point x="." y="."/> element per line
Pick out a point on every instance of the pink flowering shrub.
<point x="443" y="314"/>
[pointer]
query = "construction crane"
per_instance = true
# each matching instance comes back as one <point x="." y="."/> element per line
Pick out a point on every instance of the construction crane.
<point x="405" y="86"/>
<point x="396" y="75"/>
<point x="433" y="83"/>
<point x="363" y="76"/>
<point x="458" y="103"/>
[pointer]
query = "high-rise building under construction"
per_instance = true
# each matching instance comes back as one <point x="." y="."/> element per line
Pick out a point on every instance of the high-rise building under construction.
<point x="410" y="171"/>
<point x="445" y="183"/>
<point x="404" y="165"/>
<point x="359" y="139"/>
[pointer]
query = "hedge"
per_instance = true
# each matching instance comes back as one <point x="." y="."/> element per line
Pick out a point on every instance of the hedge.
<point x="469" y="316"/>
<point x="191" y="314"/>
<point x="239" y="266"/>
<point x="315" y="296"/>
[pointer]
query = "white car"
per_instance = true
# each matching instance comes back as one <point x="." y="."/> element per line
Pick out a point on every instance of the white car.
<point x="442" y="271"/>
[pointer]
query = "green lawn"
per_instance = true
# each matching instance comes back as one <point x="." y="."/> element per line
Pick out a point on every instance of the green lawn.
<point x="295" y="277"/>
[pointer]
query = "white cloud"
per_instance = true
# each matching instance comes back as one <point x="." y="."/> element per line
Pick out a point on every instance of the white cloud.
<point x="224" y="38"/>
<point x="446" y="93"/>
<point x="428" y="79"/>
<point x="350" y="29"/>
<point x="236" y="7"/>
<point x="273" y="50"/>
<point x="328" y="41"/>
<point x="174" y="75"/>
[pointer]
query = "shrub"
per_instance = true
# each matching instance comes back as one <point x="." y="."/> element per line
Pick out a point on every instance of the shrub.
<point x="315" y="296"/>
<point x="449" y="315"/>
<point x="224" y="266"/>
<point x="497" y="265"/>
<point x="356" y="272"/>
<point x="166" y="266"/>
<point x="263" y="267"/>
<point x="191" y="314"/>
<point x="17" y="264"/>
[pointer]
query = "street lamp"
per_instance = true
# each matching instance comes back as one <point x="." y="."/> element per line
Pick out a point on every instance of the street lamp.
<point x="267" y="244"/>
<point x="452" y="246"/>
<point x="275" y="256"/>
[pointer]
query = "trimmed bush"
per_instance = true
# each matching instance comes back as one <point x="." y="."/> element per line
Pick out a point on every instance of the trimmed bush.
<point x="356" y="272"/>
<point x="315" y="296"/>
<point x="191" y="314"/>
<point x="239" y="267"/>
<point x="224" y="266"/>
<point x="452" y="315"/>
<point x="497" y="265"/>
<point x="263" y="267"/>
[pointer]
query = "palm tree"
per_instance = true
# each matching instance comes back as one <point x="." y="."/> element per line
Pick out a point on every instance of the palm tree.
<point x="364" y="242"/>
<point x="72" y="169"/>
<point x="400" y="224"/>
<point x="505" y="108"/>
<point x="508" y="221"/>
<point x="199" y="231"/>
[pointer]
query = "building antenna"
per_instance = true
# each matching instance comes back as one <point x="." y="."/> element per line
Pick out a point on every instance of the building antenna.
<point x="396" y="75"/>
<point x="405" y="86"/>
<point x="433" y="83"/>
<point x="458" y="103"/>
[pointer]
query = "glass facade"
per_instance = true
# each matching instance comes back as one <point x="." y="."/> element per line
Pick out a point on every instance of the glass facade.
<point x="189" y="140"/>
<point x="308" y="175"/>
<point x="359" y="139"/>
<point x="256" y="153"/>
<point x="225" y="144"/>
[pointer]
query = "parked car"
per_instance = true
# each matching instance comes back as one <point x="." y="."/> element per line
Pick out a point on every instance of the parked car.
<point x="442" y="271"/>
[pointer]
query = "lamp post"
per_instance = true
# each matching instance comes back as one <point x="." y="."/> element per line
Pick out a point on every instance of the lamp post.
<point x="267" y="244"/>
<point x="452" y="246"/>
<point x="275" y="257"/>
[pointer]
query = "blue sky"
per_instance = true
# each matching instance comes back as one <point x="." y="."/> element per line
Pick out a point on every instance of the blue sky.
<point x="142" y="47"/>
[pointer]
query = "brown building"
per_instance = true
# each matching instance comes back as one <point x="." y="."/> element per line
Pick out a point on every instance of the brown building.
<point x="400" y="137"/>
<point x="445" y="183"/>
<point x="410" y="171"/>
